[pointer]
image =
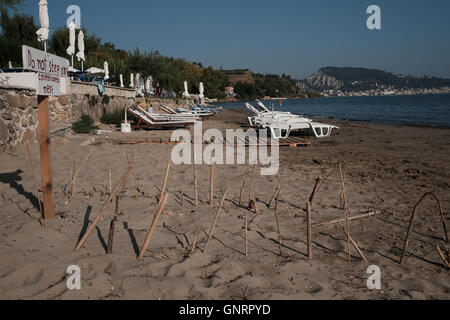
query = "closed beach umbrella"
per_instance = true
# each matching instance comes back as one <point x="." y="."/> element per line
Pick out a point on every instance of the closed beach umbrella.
<point x="121" y="80"/>
<point x="71" y="49"/>
<point x="10" y="65"/>
<point x="80" y="54"/>
<point x="186" y="90"/>
<point x="44" y="21"/>
<point x="106" y="68"/>
<point x="202" y="91"/>
<point x="132" y="80"/>
<point x="202" y="94"/>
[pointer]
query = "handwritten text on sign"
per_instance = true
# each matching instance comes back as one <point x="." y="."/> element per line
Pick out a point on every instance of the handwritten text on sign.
<point x="40" y="61"/>
<point x="48" y="85"/>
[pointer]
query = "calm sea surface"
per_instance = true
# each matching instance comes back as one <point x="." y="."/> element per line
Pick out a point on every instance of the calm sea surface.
<point x="419" y="110"/>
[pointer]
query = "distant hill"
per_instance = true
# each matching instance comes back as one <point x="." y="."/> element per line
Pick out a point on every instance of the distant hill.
<point x="361" y="79"/>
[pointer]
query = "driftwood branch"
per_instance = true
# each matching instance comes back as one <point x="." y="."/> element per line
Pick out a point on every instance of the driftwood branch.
<point x="163" y="190"/>
<point x="309" y="204"/>
<point x="346" y="212"/>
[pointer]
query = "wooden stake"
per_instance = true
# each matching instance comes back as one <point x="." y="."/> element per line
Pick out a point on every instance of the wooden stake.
<point x="273" y="197"/>
<point x="120" y="185"/>
<point x="310" y="252"/>
<point x="36" y="184"/>
<point x="182" y="196"/>
<point x="153" y="227"/>
<point x="75" y="177"/>
<point x="215" y="220"/>
<point x="194" y="242"/>
<point x="250" y="191"/>
<point x="246" y="234"/>
<point x="346" y="212"/>
<point x="241" y="196"/>
<point x="195" y="185"/>
<point x="112" y="227"/>
<point x="309" y="204"/>
<point x="279" y="233"/>
<point x="444" y="259"/>
<point x="163" y="190"/>
<point x="110" y="182"/>
<point x="135" y="178"/>
<point x="413" y="217"/>
<point x="46" y="169"/>
<point x="211" y="185"/>
<point x="355" y="245"/>
<point x="278" y="198"/>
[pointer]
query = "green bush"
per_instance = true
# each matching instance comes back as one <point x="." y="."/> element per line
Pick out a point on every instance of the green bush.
<point x="93" y="101"/>
<point x="84" y="126"/>
<point x="116" y="117"/>
<point x="105" y="99"/>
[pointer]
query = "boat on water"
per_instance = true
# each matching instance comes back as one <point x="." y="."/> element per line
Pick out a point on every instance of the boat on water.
<point x="281" y="124"/>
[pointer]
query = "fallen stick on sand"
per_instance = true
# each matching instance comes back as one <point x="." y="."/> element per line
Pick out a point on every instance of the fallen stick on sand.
<point x="74" y="179"/>
<point x="280" y="245"/>
<point x="195" y="185"/>
<point x="346" y="212"/>
<point x="273" y="197"/>
<point x="112" y="227"/>
<point x="119" y="186"/>
<point x="370" y="214"/>
<point x="354" y="243"/>
<point x="153" y="227"/>
<point x="215" y="220"/>
<point x="194" y="242"/>
<point x="36" y="184"/>
<point x="211" y="184"/>
<point x="309" y="204"/>
<point x="241" y="196"/>
<point x="163" y="190"/>
<point x="444" y="259"/>
<point x="413" y="217"/>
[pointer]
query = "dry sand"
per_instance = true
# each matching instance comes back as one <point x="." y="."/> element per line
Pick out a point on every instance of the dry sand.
<point x="387" y="170"/>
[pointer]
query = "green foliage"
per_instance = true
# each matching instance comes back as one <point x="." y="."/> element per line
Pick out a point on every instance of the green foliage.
<point x="105" y="99"/>
<point x="93" y="101"/>
<point x="266" y="85"/>
<point x="16" y="31"/>
<point x="84" y="126"/>
<point x="116" y="117"/>
<point x="10" y="4"/>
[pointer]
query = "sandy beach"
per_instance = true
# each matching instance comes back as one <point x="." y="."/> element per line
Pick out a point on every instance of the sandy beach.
<point x="387" y="168"/>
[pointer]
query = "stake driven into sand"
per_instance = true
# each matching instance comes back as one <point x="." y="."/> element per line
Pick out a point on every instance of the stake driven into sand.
<point x="163" y="190"/>
<point x="119" y="186"/>
<point x="153" y="227"/>
<point x="346" y="212"/>
<point x="211" y="185"/>
<point x="215" y="220"/>
<point x="195" y="185"/>
<point x="309" y="204"/>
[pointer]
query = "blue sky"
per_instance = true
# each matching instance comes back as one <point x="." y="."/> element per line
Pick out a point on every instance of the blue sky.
<point x="295" y="37"/>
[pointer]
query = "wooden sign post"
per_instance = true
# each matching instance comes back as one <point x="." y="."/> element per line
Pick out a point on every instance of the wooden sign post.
<point x="49" y="69"/>
<point x="44" y="142"/>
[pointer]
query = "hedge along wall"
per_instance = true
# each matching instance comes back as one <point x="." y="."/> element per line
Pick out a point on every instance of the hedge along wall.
<point x="18" y="109"/>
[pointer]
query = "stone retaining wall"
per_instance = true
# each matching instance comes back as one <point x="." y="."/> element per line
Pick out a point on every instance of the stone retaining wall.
<point x="18" y="110"/>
